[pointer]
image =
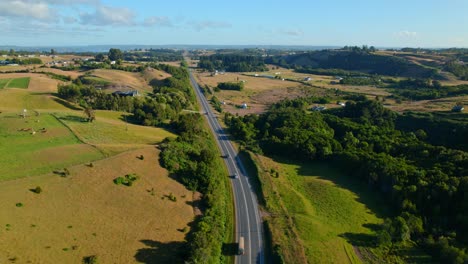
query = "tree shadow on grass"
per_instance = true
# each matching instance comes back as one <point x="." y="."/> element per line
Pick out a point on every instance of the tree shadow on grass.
<point x="66" y="104"/>
<point x="160" y="252"/>
<point x="73" y="118"/>
<point x="360" y="239"/>
<point x="373" y="200"/>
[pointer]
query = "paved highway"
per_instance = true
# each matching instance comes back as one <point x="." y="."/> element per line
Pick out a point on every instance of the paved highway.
<point x="248" y="222"/>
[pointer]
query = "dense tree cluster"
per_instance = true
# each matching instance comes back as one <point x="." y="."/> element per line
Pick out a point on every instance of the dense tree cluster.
<point x="425" y="184"/>
<point x="153" y="55"/>
<point x="115" y="54"/>
<point x="169" y="97"/>
<point x="232" y="63"/>
<point x="361" y="80"/>
<point x="236" y="86"/>
<point x="458" y="68"/>
<point x="192" y="158"/>
<point x="425" y="89"/>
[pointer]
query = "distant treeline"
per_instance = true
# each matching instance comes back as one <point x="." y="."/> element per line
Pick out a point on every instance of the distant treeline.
<point x="352" y="60"/>
<point x="232" y="63"/>
<point x="425" y="184"/>
<point x="153" y="55"/>
<point x="27" y="61"/>
<point x="424" y="89"/>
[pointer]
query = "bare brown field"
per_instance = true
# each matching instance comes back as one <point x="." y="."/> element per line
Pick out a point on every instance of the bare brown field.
<point x="7" y="68"/>
<point x="87" y="214"/>
<point x="252" y="83"/>
<point x="130" y="79"/>
<point x="73" y="74"/>
<point x="171" y="63"/>
<point x="258" y="93"/>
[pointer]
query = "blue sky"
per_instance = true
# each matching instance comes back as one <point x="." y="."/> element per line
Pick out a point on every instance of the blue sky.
<point x="383" y="23"/>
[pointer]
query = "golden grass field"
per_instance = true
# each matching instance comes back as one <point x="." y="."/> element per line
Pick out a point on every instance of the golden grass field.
<point x="258" y="92"/>
<point x="150" y="74"/>
<point x="126" y="79"/>
<point x="73" y="74"/>
<point x="87" y="214"/>
<point x="110" y="133"/>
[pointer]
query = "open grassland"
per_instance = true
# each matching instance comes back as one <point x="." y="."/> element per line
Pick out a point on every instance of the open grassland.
<point x="252" y="83"/>
<point x="9" y="68"/>
<point x="315" y="214"/>
<point x="258" y="93"/>
<point x="110" y="133"/>
<point x="125" y="79"/>
<point x="37" y="145"/>
<point x="18" y="99"/>
<point x="73" y="74"/>
<point x="86" y="214"/>
<point x="150" y="74"/>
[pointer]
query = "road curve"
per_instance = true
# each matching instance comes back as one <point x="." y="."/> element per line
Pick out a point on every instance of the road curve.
<point x="248" y="223"/>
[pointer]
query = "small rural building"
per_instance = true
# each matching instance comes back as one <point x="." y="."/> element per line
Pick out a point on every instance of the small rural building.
<point x="112" y="62"/>
<point x="127" y="93"/>
<point x="244" y="106"/>
<point x="307" y="79"/>
<point x="458" y="108"/>
<point x="318" y="108"/>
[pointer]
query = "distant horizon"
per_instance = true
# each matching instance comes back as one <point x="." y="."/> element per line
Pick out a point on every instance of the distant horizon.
<point x="399" y="23"/>
<point x="203" y="46"/>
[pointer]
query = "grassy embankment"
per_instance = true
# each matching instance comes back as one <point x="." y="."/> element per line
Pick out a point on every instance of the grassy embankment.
<point x="314" y="214"/>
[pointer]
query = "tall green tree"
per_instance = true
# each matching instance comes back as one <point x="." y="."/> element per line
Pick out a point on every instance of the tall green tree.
<point x="115" y="54"/>
<point x="99" y="57"/>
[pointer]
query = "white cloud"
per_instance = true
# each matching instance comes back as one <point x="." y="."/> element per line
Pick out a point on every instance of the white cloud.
<point x="59" y="2"/>
<point x="107" y="15"/>
<point x="208" y="24"/>
<point x="26" y="9"/>
<point x="406" y="34"/>
<point x="162" y="21"/>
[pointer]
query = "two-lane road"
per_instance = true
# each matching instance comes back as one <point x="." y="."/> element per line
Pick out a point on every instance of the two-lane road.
<point x="248" y="223"/>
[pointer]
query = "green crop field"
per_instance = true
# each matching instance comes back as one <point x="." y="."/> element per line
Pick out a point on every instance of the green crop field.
<point x="22" y="83"/>
<point x="29" y="150"/>
<point x="3" y="83"/>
